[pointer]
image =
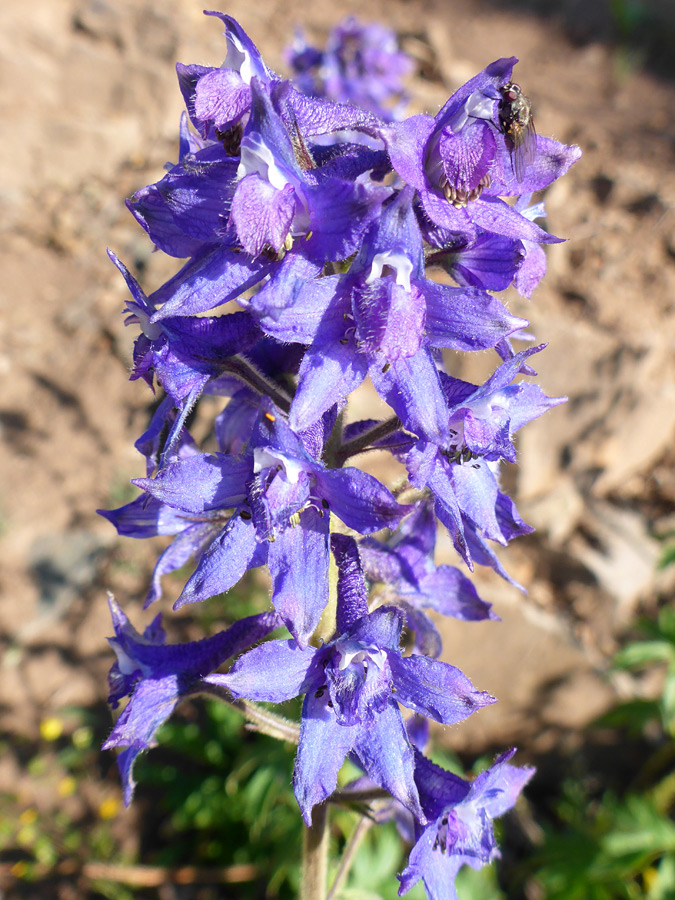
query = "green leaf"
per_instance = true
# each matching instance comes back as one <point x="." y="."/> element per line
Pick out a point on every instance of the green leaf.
<point x="639" y="829"/>
<point x="634" y="716"/>
<point x="667" y="557"/>
<point x="668" y="702"/>
<point x="663" y="886"/>
<point x="644" y="653"/>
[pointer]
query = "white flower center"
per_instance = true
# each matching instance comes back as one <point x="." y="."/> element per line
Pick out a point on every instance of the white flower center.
<point x="257" y="157"/>
<point x="357" y="652"/>
<point x="266" y="457"/>
<point x="237" y="58"/>
<point x="476" y="106"/>
<point x="138" y="315"/>
<point x="396" y="261"/>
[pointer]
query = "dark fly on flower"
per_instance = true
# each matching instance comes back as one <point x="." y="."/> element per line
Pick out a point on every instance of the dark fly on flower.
<point x="517" y="125"/>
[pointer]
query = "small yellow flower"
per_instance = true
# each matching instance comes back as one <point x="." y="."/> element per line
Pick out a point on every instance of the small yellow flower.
<point x="51" y="729"/>
<point x="28" y="816"/>
<point x="109" y="808"/>
<point x="67" y="786"/>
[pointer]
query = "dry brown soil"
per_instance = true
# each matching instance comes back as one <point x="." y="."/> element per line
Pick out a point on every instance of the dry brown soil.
<point x="90" y="107"/>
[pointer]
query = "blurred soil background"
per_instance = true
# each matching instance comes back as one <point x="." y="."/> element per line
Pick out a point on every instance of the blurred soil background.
<point x="90" y="108"/>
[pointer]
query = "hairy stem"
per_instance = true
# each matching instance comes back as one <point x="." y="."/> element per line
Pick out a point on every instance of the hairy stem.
<point x="262" y="719"/>
<point x="364" y="796"/>
<point x="360" y="831"/>
<point x="315" y="855"/>
<point x="244" y="370"/>
<point x="363" y="441"/>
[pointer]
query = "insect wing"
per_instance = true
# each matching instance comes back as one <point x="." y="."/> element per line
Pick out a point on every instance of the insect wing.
<point x="524" y="148"/>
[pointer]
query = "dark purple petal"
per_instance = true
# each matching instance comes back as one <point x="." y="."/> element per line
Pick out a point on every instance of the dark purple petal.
<point x="151" y="704"/>
<point x="233" y="426"/>
<point x="384" y="751"/>
<point x="359" y="499"/>
<point x="510" y="522"/>
<point x="145" y="517"/>
<point x="503" y="375"/>
<point x="285" y="496"/>
<point x="467" y="154"/>
<point x="149" y="209"/>
<point x="451" y="593"/>
<point x="313" y="115"/>
<point x="190" y="543"/>
<point x="379" y="562"/>
<point x="490" y="262"/>
<point x="416" y="538"/>
<point x="339" y="213"/>
<point x="206" y="281"/>
<point x="428" y="640"/>
<point x="483" y="554"/>
<point x="233" y="552"/>
<point x="200" y="483"/>
<point x="497" y="788"/>
<point x="381" y="628"/>
<point x="475" y="488"/>
<point x="447" y="216"/>
<point x="198" y="194"/>
<point x="261" y="214"/>
<point x="294" y="304"/>
<point x="466" y="318"/>
<point x="438" y="870"/>
<point x="389" y="319"/>
<point x="329" y="372"/>
<point x="412" y="388"/>
<point x="221" y="98"/>
<point x="494" y="215"/>
<point x="553" y="159"/>
<point x="322" y="749"/>
<point x="298" y="563"/>
<point x="532" y="270"/>
<point x="352" y="602"/>
<point x="486" y="82"/>
<point x="406" y="145"/>
<point x="273" y="672"/>
<point x="435" y="689"/>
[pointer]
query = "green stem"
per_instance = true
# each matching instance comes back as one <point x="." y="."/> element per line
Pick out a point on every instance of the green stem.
<point x="315" y="856"/>
<point x="262" y="719"/>
<point x="362" y="827"/>
<point x="346" y="797"/>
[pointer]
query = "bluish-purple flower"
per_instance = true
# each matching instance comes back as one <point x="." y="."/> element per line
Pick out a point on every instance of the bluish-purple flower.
<point x="156" y="676"/>
<point x="360" y="64"/>
<point x="460" y="162"/>
<point x="404" y="565"/>
<point x="458" y="829"/>
<point x="352" y="687"/>
<point x="282" y="499"/>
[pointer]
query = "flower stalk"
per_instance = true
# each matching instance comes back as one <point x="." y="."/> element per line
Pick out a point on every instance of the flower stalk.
<point x="320" y="212"/>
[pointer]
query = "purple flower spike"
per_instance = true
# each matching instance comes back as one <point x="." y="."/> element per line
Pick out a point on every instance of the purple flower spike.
<point x="325" y="219"/>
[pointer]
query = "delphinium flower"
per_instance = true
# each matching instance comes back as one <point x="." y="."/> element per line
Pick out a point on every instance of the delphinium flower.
<point x="156" y="676"/>
<point x="459" y="815"/>
<point x="310" y="231"/>
<point x="360" y="64"/>
<point x="353" y="685"/>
